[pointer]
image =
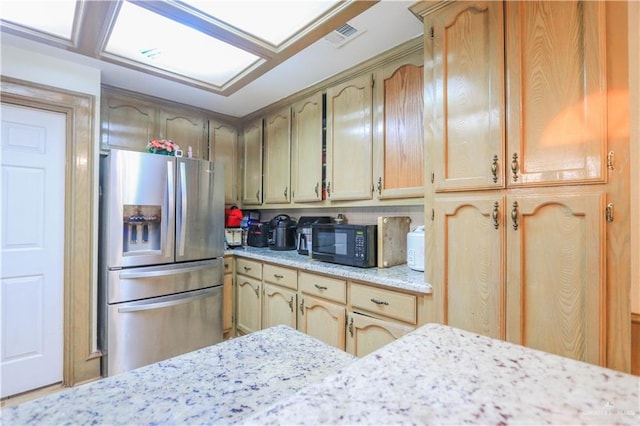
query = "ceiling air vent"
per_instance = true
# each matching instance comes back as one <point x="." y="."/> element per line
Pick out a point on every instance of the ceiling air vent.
<point x="342" y="35"/>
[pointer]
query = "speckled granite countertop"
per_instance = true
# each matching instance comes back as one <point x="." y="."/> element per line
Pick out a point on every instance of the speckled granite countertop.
<point x="400" y="277"/>
<point x="442" y="375"/>
<point x="220" y="384"/>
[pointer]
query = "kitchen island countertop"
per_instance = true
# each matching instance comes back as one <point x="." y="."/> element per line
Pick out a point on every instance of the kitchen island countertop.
<point x="220" y="384"/>
<point x="399" y="277"/>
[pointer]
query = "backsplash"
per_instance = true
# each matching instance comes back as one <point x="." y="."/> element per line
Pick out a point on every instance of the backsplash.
<point x="357" y="215"/>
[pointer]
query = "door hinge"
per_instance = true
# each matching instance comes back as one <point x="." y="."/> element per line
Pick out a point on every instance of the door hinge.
<point x="610" y="157"/>
<point x="609" y="212"/>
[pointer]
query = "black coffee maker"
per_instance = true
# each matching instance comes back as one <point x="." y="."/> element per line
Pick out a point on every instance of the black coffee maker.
<point x="282" y="233"/>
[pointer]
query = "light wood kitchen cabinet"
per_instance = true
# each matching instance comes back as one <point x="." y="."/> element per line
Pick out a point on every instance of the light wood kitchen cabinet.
<point x="306" y="166"/>
<point x="323" y="320"/>
<point x="186" y="128"/>
<point x="227" y="297"/>
<point x="280" y="296"/>
<point x="323" y="308"/>
<point x="383" y="302"/>
<point x="248" y="296"/>
<point x="223" y="143"/>
<point x="279" y="306"/>
<point x="529" y="132"/>
<point x="127" y="122"/>
<point x="349" y="150"/>
<point x="277" y="157"/>
<point x="366" y="334"/>
<point x="252" y="163"/>
<point x="399" y="129"/>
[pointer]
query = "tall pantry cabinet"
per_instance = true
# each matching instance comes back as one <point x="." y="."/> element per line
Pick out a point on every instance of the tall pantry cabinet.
<point x="522" y="187"/>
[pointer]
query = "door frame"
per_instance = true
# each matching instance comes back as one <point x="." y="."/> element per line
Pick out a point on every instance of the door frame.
<point x="80" y="361"/>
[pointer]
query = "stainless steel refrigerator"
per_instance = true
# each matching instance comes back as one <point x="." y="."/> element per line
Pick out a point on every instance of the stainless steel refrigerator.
<point x="160" y="257"/>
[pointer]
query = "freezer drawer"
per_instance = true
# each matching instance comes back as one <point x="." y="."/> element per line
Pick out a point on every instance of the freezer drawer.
<point x="151" y="330"/>
<point x="125" y="285"/>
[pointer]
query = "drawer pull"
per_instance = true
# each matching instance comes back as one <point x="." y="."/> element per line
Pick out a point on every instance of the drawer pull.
<point x="278" y="276"/>
<point x="320" y="287"/>
<point x="379" y="302"/>
<point x="247" y="268"/>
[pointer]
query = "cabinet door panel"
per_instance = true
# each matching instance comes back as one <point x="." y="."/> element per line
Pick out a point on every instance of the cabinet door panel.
<point x="277" y="157"/>
<point x="187" y="130"/>
<point x="323" y="320"/>
<point x="227" y="303"/>
<point x="127" y="123"/>
<point x="252" y="160"/>
<point x="557" y="91"/>
<point x="224" y="148"/>
<point x="468" y="76"/>
<point x="349" y="140"/>
<point x="469" y="262"/>
<point x="400" y="132"/>
<point x="249" y="303"/>
<point x="555" y="280"/>
<point x="279" y="306"/>
<point x="366" y="334"/>
<point x="307" y="149"/>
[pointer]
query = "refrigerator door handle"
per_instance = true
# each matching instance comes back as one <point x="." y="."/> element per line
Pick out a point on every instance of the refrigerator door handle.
<point x="167" y="301"/>
<point x="181" y="219"/>
<point x="168" y="235"/>
<point x="131" y="274"/>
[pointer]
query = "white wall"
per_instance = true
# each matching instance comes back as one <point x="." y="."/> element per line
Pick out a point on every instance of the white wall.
<point x="51" y="71"/>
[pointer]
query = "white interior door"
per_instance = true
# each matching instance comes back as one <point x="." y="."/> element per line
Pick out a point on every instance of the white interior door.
<point x="32" y="244"/>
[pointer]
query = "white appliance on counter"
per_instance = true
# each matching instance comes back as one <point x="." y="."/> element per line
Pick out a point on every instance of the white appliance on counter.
<point x="160" y="257"/>
<point x="415" y="249"/>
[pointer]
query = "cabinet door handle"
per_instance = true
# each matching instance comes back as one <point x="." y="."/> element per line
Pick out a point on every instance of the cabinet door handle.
<point x="515" y="166"/>
<point x="328" y="189"/>
<point x="317" y="189"/>
<point x="494" y="168"/>
<point x="494" y="215"/>
<point x="351" y="327"/>
<point x="258" y="195"/>
<point x="320" y="287"/>
<point x="278" y="276"/>
<point x="379" y="302"/>
<point x="286" y="191"/>
<point x="291" y="304"/>
<point x="302" y="307"/>
<point x="379" y="185"/>
<point x="514" y="215"/>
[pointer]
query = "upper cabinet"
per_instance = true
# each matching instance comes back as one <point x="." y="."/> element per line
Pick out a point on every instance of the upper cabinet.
<point x="131" y="121"/>
<point x="186" y="128"/>
<point x="277" y="157"/>
<point x="556" y="92"/>
<point x="307" y="158"/>
<point x="223" y="143"/>
<point x="399" y="129"/>
<point x="349" y="140"/>
<point x="252" y="162"/>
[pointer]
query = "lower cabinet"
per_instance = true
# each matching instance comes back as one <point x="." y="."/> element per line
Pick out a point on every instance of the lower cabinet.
<point x="227" y="297"/>
<point x="248" y="296"/>
<point x="355" y="317"/>
<point x="366" y="334"/>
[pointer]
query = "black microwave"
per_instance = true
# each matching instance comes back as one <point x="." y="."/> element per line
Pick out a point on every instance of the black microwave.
<point x="345" y="244"/>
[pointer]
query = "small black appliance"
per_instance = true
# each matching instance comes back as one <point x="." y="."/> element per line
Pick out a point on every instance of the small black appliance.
<point x="258" y="234"/>
<point x="282" y="233"/>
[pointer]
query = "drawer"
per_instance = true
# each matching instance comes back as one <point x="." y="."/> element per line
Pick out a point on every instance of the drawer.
<point x="249" y="267"/>
<point x="391" y="304"/>
<point x="228" y="265"/>
<point x="325" y="287"/>
<point x="282" y="276"/>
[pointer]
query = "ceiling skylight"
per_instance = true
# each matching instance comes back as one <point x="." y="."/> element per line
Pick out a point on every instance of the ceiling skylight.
<point x="143" y="36"/>
<point x="271" y="21"/>
<point x="215" y="45"/>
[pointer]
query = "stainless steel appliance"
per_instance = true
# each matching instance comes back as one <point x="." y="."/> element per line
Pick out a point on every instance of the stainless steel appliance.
<point x="303" y="232"/>
<point x="282" y="233"/>
<point x="352" y="245"/>
<point x="160" y="257"/>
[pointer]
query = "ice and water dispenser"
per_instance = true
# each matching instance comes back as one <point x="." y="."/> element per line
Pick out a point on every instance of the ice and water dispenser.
<point x="141" y="229"/>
